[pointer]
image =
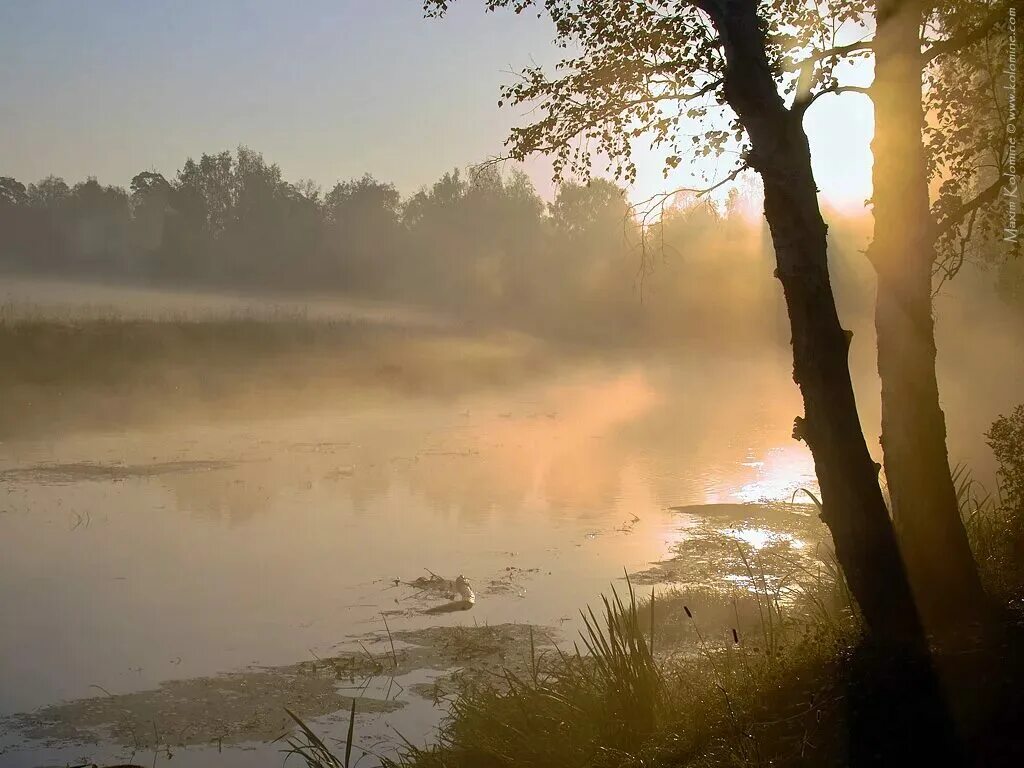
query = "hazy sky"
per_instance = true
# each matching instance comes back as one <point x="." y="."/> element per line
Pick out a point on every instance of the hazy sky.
<point x="328" y="89"/>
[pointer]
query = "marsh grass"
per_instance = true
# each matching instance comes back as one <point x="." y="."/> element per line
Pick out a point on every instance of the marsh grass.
<point x="603" y="698"/>
<point x="636" y="690"/>
<point x="312" y="750"/>
<point x="995" y="528"/>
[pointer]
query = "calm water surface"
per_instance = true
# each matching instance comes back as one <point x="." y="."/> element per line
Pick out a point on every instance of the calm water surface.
<point x="136" y="557"/>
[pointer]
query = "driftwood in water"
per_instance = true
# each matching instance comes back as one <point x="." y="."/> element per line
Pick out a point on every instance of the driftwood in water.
<point x="458" y="591"/>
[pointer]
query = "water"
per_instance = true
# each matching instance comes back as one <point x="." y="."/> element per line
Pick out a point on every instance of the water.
<point x="137" y="557"/>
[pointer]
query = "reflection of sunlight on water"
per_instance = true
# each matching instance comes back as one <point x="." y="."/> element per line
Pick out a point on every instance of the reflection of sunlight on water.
<point x="760" y="537"/>
<point x="782" y="473"/>
<point x="678" y="530"/>
<point x="564" y="455"/>
<point x="570" y="479"/>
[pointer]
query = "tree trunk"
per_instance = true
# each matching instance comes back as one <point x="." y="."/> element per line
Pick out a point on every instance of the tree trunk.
<point x="924" y="503"/>
<point x="853" y="506"/>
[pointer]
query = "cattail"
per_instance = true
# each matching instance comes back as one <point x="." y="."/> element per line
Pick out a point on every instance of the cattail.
<point x="735" y="636"/>
<point x="688" y="614"/>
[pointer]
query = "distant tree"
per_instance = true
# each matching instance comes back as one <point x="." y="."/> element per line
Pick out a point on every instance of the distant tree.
<point x="152" y="202"/>
<point x="80" y="229"/>
<point x="349" y="200"/>
<point x="97" y="218"/>
<point x="501" y="214"/>
<point x="46" y="200"/>
<point x="186" y="243"/>
<point x="16" y="225"/>
<point x="12" y="192"/>
<point x="592" y="274"/>
<point x="598" y="204"/>
<point x="301" y="235"/>
<point x="212" y="180"/>
<point x="48" y="193"/>
<point x="478" y="238"/>
<point x="433" y="220"/>
<point x="362" y="232"/>
<point x="249" y="238"/>
<point x="308" y="190"/>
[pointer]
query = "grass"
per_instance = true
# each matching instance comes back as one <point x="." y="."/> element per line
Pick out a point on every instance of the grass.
<point x="313" y="751"/>
<point x="775" y="674"/>
<point x="996" y="533"/>
<point x="626" y="695"/>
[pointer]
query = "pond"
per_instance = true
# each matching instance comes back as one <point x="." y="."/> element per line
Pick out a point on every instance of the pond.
<point x="166" y="592"/>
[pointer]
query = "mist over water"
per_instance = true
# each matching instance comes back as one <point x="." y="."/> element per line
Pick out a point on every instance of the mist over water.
<point x="203" y="477"/>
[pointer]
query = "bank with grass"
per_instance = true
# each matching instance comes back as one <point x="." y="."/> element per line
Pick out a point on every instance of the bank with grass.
<point x="776" y="672"/>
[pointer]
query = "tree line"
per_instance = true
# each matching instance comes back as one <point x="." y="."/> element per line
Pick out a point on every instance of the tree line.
<point x="480" y="244"/>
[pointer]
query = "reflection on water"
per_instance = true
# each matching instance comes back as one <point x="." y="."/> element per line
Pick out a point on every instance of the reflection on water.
<point x="139" y="556"/>
<point x="759" y="538"/>
<point x="135" y="558"/>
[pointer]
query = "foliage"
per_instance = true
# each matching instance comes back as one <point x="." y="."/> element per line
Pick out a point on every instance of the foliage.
<point x="969" y="137"/>
<point x="655" y="70"/>
<point x="995" y="521"/>
<point x="313" y="751"/>
<point x="1006" y="438"/>
<point x="1006" y="513"/>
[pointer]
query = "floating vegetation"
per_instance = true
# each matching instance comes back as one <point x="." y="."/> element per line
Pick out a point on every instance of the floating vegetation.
<point x="250" y="705"/>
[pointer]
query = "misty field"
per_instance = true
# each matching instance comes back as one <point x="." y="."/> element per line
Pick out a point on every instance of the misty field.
<point x="117" y="371"/>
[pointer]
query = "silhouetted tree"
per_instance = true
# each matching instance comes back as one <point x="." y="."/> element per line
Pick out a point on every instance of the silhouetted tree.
<point x="954" y="50"/>
<point x="733" y="51"/>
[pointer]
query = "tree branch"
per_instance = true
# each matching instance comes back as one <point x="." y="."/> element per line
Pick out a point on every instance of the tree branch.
<point x="839" y="50"/>
<point x="802" y="105"/>
<point x="644" y="207"/>
<point x="951" y="220"/>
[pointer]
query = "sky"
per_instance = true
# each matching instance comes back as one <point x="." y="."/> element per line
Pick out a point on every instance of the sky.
<point x="328" y="89"/>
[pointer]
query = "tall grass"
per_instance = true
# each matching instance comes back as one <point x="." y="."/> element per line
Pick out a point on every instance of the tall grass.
<point x="621" y="696"/>
<point x="310" y="748"/>
<point x="622" y="659"/>
<point x="603" y="698"/>
<point x="995" y="529"/>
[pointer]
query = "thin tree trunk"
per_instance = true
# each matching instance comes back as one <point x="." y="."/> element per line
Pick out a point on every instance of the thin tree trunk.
<point x="924" y="503"/>
<point x="853" y="506"/>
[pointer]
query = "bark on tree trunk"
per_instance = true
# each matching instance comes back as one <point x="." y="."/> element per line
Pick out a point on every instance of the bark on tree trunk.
<point x="924" y="504"/>
<point x="853" y="506"/>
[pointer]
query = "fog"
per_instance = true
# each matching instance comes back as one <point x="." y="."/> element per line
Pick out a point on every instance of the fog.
<point x="240" y="415"/>
<point x="228" y="241"/>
